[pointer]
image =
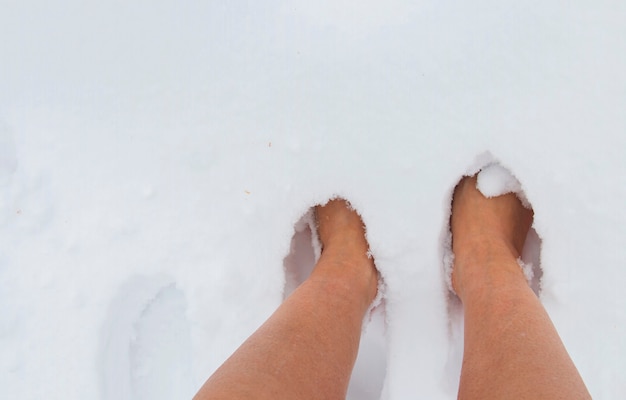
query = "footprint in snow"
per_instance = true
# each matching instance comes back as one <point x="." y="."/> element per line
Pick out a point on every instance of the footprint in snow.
<point x="146" y="345"/>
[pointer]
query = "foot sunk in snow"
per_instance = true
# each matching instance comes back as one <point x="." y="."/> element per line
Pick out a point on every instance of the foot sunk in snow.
<point x="494" y="180"/>
<point x="369" y="372"/>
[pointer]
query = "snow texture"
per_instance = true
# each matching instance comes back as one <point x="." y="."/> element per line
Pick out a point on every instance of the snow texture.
<point x="156" y="156"/>
<point x="494" y="180"/>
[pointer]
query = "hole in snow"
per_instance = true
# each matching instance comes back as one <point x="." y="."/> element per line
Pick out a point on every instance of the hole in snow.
<point x="299" y="263"/>
<point x="531" y="254"/>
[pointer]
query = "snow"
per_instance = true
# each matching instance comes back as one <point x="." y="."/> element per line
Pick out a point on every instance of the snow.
<point x="155" y="158"/>
<point x="495" y="180"/>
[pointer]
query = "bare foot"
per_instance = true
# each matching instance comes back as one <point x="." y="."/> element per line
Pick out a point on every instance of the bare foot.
<point x="345" y="250"/>
<point x="483" y="231"/>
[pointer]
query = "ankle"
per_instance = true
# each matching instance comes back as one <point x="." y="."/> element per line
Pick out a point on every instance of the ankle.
<point x="494" y="273"/>
<point x="345" y="259"/>
<point x="353" y="277"/>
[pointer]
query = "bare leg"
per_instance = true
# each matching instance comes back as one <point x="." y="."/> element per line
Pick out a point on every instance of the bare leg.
<point x="307" y="348"/>
<point x="512" y="350"/>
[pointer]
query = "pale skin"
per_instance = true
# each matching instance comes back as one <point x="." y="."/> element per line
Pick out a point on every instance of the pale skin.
<point x="307" y="348"/>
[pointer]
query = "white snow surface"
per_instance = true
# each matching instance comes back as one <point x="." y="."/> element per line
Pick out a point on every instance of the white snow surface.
<point x="156" y="156"/>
